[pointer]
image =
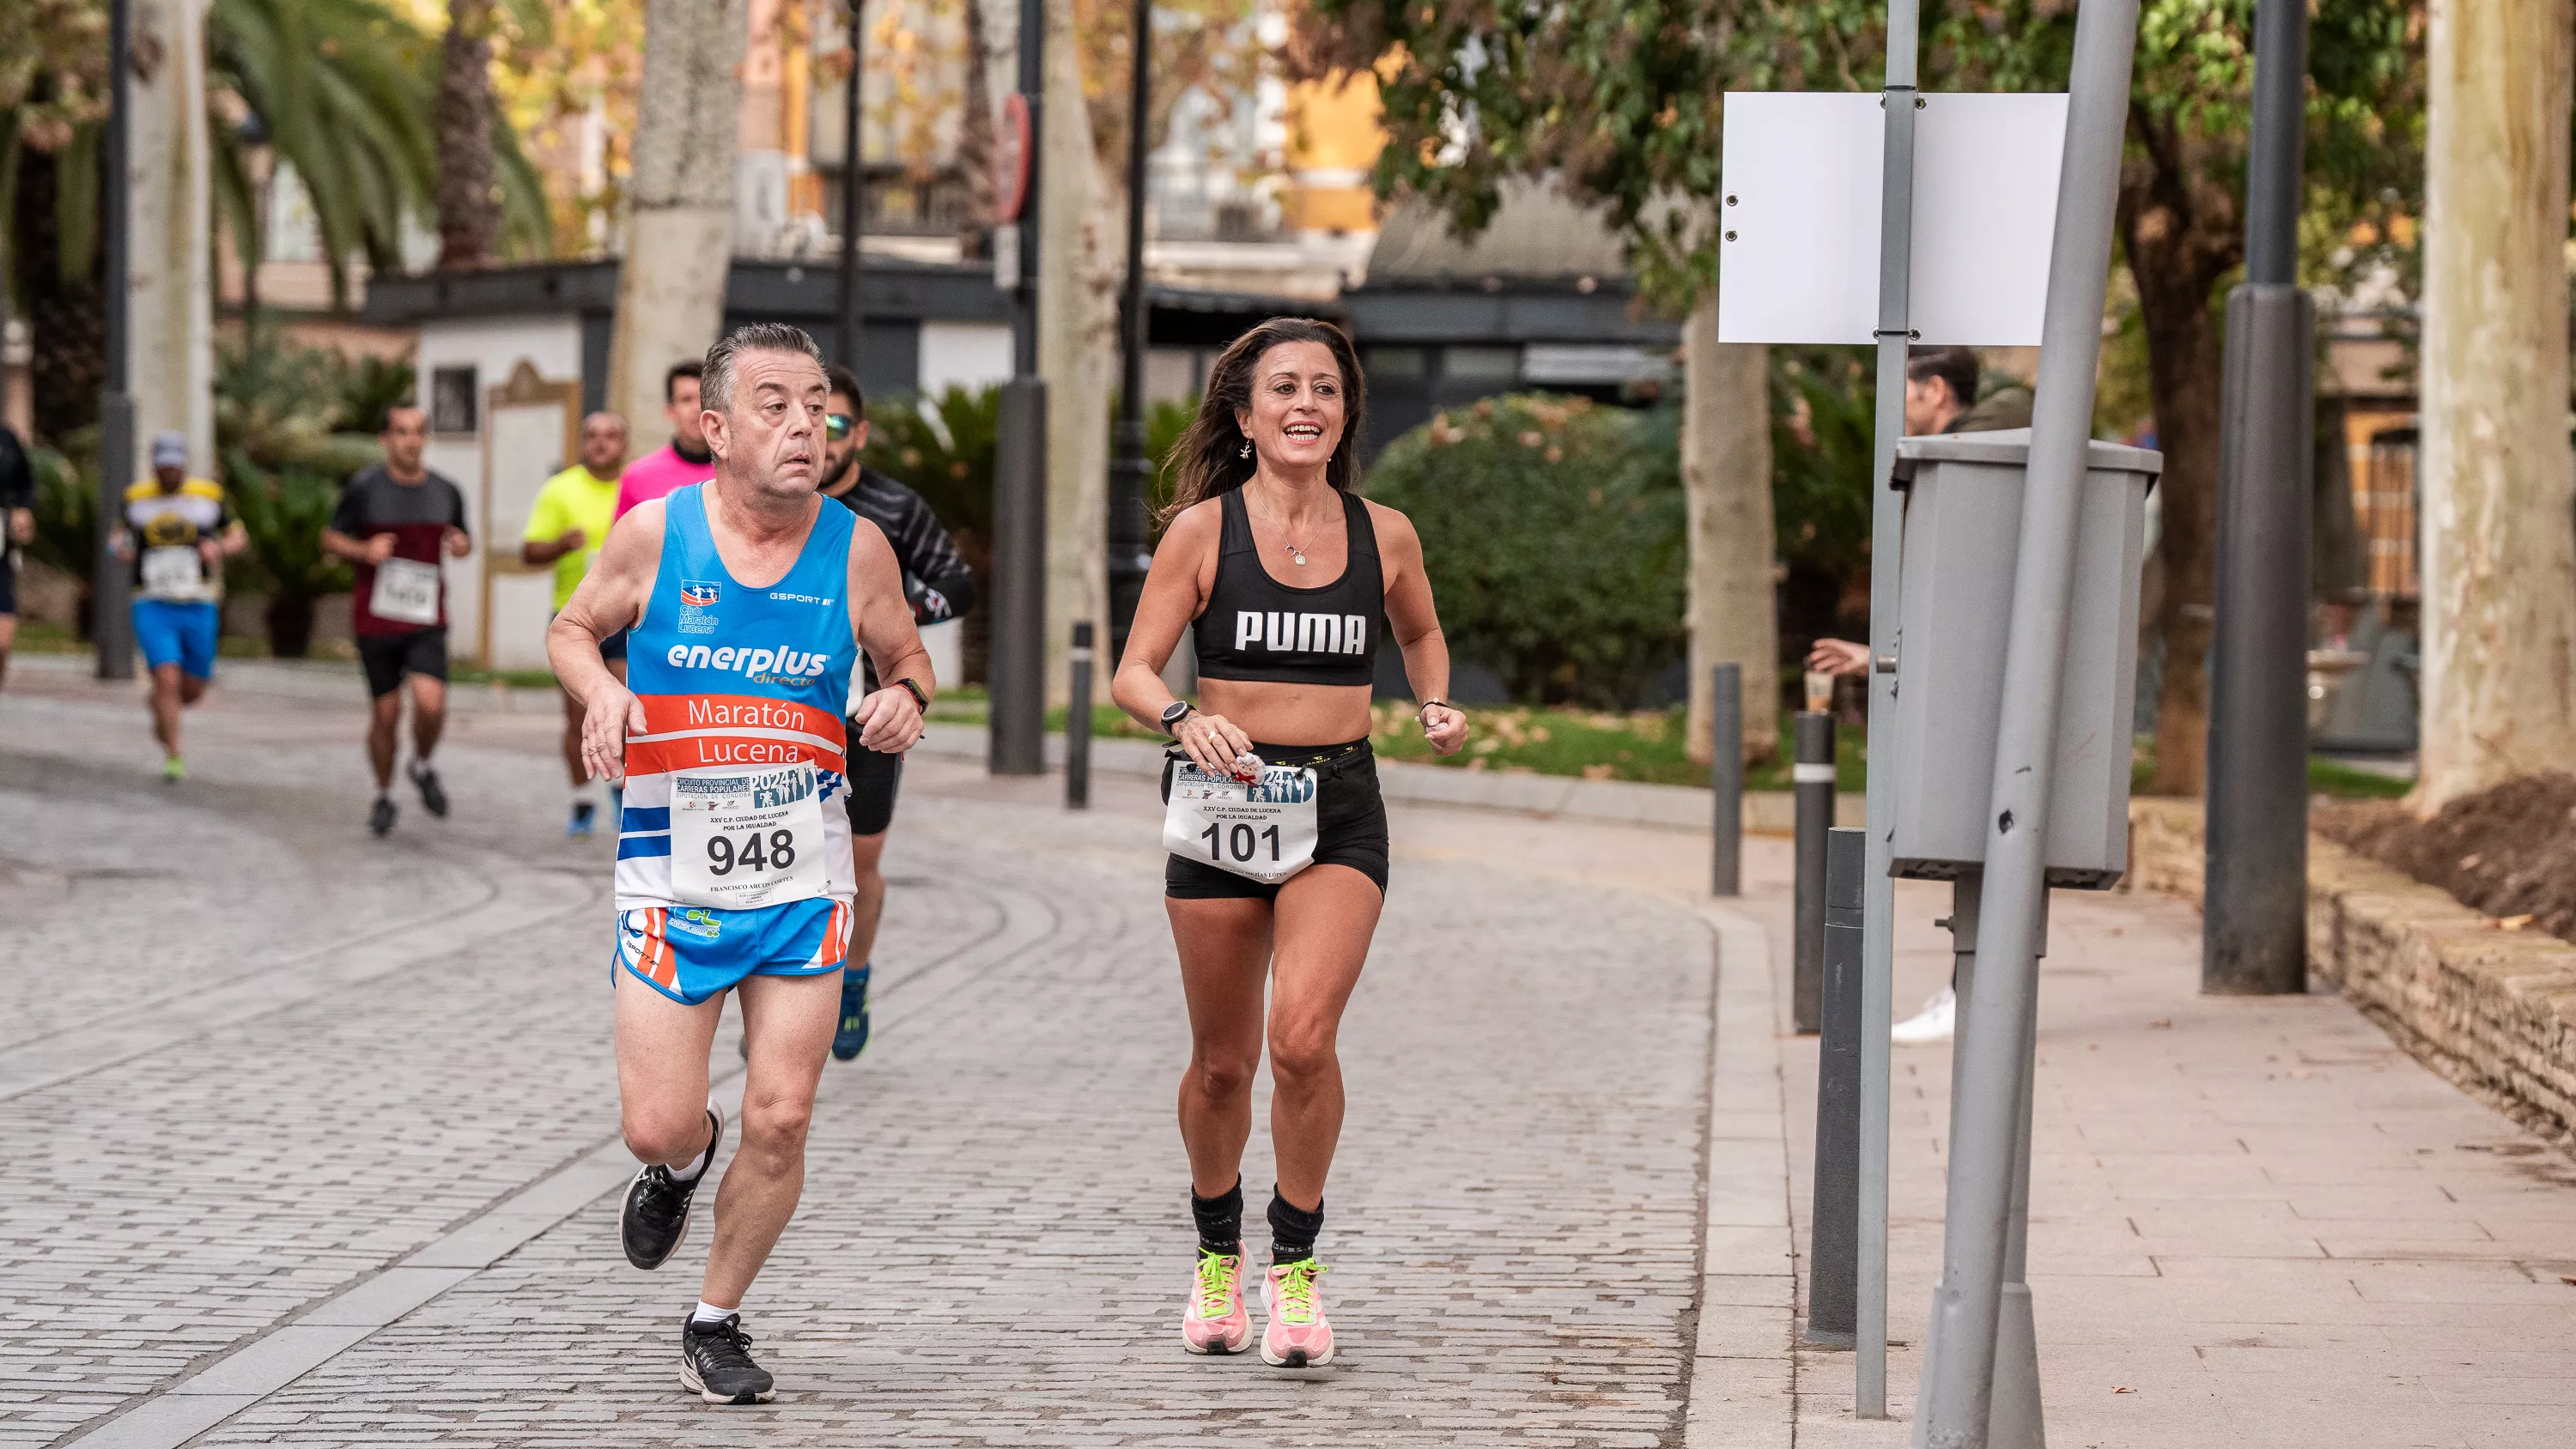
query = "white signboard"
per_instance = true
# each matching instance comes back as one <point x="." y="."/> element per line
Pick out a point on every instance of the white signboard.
<point x="1801" y="209"/>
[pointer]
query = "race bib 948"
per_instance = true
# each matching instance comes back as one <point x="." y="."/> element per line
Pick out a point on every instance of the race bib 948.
<point x="746" y="836"/>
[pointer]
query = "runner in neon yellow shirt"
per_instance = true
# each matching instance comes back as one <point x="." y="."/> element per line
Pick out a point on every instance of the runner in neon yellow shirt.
<point x="565" y="528"/>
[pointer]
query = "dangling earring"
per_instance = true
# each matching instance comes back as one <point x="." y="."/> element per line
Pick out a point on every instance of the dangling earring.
<point x="1246" y="450"/>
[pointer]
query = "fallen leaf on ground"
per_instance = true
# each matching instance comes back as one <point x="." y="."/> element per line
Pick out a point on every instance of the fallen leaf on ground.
<point x="2123" y="1389"/>
<point x="2513" y="923"/>
<point x="2161" y="1023"/>
<point x="2568" y="1278"/>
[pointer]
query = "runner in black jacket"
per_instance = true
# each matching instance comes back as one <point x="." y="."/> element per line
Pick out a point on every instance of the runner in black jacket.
<point x="940" y="587"/>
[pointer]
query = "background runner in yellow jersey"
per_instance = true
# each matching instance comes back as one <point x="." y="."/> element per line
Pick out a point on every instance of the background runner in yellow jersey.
<point x="565" y="528"/>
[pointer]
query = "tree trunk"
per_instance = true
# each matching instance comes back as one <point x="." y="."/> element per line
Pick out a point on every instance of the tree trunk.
<point x="2181" y="234"/>
<point x="66" y="301"/>
<point x="469" y="211"/>
<point x="2499" y="681"/>
<point x="1079" y="262"/>
<point x="670" y="292"/>
<point x="170" y="360"/>
<point x="975" y="142"/>
<point x="1726" y="489"/>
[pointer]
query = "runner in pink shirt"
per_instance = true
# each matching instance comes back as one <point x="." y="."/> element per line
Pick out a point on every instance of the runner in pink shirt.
<point x="682" y="461"/>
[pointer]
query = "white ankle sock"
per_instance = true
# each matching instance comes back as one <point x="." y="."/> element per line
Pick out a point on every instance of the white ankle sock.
<point x="697" y="1165"/>
<point x="709" y="1313"/>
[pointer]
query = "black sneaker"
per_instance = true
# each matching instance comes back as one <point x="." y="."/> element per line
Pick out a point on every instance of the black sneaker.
<point x="433" y="795"/>
<point x="656" y="1216"/>
<point x="715" y="1363"/>
<point x="380" y="816"/>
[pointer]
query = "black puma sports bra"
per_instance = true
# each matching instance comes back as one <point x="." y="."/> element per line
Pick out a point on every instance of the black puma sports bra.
<point x="1257" y="628"/>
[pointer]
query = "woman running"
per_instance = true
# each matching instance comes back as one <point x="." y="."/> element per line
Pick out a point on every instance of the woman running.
<point x="1291" y="578"/>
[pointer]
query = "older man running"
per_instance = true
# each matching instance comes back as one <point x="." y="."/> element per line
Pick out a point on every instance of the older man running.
<point x="746" y="602"/>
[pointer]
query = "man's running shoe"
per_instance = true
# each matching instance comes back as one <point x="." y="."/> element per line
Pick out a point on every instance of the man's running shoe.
<point x="433" y="795"/>
<point x="715" y="1363"/>
<point x="173" y="770"/>
<point x="584" y="819"/>
<point x="656" y="1216"/>
<point x="1298" y="1336"/>
<point x="852" y="1037"/>
<point x="380" y="816"/>
<point x="1215" y="1320"/>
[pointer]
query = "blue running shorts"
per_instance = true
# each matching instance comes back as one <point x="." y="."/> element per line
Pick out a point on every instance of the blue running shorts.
<point x="690" y="953"/>
<point x="172" y="632"/>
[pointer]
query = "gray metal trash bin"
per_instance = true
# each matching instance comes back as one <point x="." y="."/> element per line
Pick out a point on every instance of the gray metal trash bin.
<point x="1962" y="531"/>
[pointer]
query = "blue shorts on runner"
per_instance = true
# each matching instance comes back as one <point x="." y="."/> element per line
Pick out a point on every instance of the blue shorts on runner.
<point x="178" y="632"/>
<point x="690" y="953"/>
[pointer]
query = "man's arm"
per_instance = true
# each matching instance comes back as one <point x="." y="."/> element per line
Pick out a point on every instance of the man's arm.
<point x="610" y="598"/>
<point x="889" y="720"/>
<point x="340" y="536"/>
<point x="939" y="586"/>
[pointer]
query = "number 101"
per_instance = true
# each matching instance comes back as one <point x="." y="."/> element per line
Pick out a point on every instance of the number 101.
<point x="1239" y="842"/>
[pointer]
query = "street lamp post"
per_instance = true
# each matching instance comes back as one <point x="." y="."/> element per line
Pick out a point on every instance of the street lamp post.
<point x="1129" y="468"/>
<point x="1016" y="656"/>
<point x="853" y="193"/>
<point x="111" y="630"/>
<point x="2254" y="932"/>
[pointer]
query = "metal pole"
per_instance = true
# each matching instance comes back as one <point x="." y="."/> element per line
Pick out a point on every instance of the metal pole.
<point x="853" y="194"/>
<point x="1016" y="651"/>
<point x="1726" y="781"/>
<point x="1811" y="783"/>
<point x="2015" y="1422"/>
<point x="111" y="628"/>
<point x="1887" y="550"/>
<point x="1833" y="1245"/>
<point x="2254" y="927"/>
<point x="1958" y="1397"/>
<point x="1129" y="469"/>
<point x="1077" y="723"/>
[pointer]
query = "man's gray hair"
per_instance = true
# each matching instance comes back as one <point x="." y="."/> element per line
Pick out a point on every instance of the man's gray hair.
<point x="715" y="387"/>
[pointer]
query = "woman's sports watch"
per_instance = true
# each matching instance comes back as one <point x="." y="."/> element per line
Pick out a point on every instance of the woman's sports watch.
<point x="1175" y="712"/>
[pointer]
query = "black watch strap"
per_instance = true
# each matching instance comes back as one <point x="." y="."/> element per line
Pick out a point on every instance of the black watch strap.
<point x="1175" y="712"/>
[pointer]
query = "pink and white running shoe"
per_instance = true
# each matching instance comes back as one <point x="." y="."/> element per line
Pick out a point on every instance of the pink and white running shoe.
<point x="1298" y="1336"/>
<point x="1215" y="1321"/>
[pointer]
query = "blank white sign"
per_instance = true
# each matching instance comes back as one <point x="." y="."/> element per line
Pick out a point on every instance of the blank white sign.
<point x="1801" y="209"/>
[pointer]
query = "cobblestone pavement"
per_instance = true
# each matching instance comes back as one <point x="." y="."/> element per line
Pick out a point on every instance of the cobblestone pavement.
<point x="265" y="1076"/>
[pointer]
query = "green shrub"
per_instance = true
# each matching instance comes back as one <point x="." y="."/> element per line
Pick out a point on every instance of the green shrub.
<point x="66" y="515"/>
<point x="942" y="449"/>
<point x="1552" y="529"/>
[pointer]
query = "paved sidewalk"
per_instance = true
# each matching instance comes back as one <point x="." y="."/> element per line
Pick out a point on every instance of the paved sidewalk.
<point x="318" y="1145"/>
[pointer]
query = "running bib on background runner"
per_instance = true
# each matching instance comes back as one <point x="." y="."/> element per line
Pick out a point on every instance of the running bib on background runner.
<point x="746" y="835"/>
<point x="406" y="592"/>
<point x="1264" y="831"/>
<point x="173" y="568"/>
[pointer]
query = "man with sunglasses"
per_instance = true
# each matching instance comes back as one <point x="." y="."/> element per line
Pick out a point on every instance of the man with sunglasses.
<point x="940" y="587"/>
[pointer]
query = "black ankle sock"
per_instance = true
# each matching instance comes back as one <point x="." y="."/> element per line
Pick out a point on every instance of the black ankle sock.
<point x="1293" y="1230"/>
<point x="1220" y="1220"/>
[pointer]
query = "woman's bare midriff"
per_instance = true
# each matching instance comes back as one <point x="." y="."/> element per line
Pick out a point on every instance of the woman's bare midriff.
<point x="1289" y="714"/>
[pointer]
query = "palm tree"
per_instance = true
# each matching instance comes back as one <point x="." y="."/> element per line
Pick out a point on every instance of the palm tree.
<point x="344" y="90"/>
<point x="468" y="214"/>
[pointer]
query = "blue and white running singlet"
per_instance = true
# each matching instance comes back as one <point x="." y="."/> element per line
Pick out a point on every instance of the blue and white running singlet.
<point x="733" y="857"/>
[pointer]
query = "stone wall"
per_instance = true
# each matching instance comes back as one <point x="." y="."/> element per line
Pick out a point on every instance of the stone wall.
<point x="2492" y="1009"/>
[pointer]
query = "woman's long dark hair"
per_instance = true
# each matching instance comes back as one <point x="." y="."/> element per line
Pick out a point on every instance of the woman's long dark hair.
<point x="1209" y="455"/>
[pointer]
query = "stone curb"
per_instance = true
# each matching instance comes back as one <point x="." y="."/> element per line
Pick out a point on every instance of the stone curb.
<point x="2493" y="1010"/>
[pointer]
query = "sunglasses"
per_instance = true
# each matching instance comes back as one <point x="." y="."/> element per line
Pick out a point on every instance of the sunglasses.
<point x="837" y="426"/>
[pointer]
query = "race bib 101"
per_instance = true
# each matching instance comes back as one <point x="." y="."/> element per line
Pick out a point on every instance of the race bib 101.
<point x="745" y="836"/>
<point x="406" y="592"/>
<point x="1263" y="829"/>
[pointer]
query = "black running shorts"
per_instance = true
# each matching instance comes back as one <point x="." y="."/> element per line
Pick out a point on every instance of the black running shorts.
<point x="873" y="778"/>
<point x="388" y="657"/>
<point x="1350" y="825"/>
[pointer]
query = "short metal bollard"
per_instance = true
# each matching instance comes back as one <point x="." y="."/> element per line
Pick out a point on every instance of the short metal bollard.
<point x="1812" y="787"/>
<point x="1077" y="724"/>
<point x="1833" y="1250"/>
<point x="1726" y="779"/>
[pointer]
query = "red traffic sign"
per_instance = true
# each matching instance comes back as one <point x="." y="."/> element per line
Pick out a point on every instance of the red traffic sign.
<point x="1011" y="160"/>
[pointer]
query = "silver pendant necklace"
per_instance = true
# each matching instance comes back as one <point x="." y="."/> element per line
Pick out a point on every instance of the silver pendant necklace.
<point x="1295" y="553"/>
